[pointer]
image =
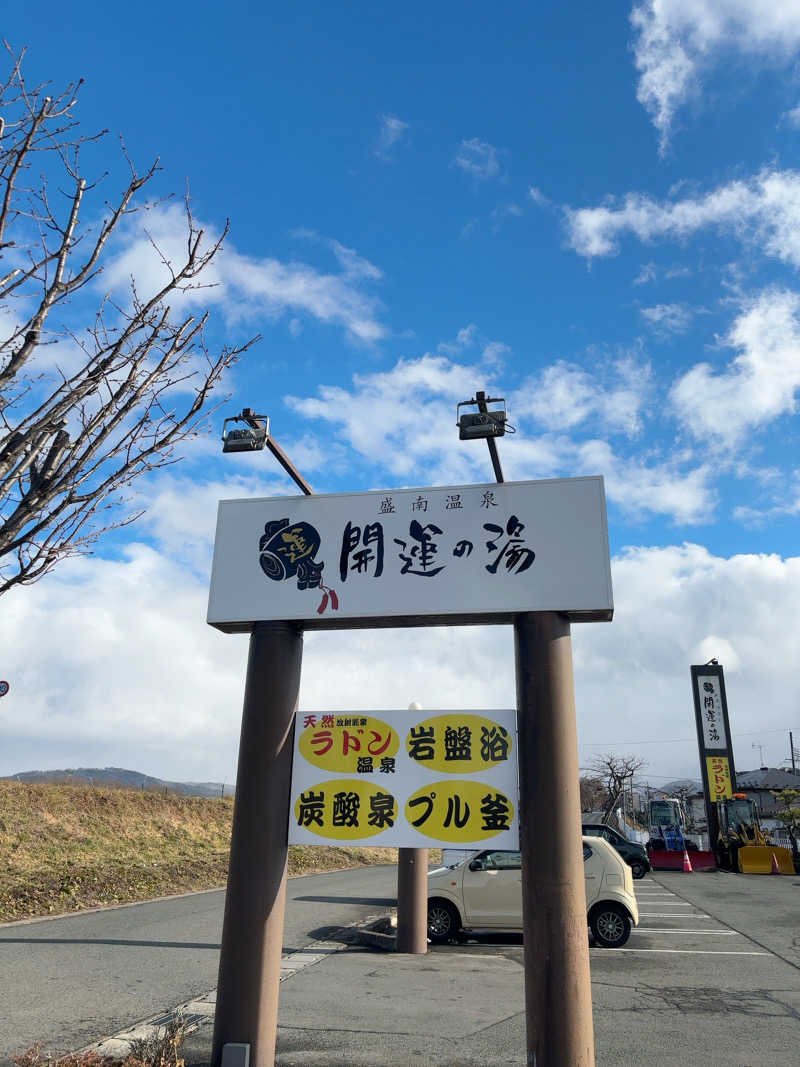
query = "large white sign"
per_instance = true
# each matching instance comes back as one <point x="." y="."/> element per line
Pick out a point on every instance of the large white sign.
<point x="470" y="553"/>
<point x="708" y="687"/>
<point x="406" y="779"/>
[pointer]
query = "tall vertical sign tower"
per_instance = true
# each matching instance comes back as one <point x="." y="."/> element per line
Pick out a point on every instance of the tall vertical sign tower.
<point x="714" y="740"/>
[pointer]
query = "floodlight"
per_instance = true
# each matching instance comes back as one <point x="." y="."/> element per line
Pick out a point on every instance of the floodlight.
<point x="474" y="425"/>
<point x="249" y="438"/>
<point x="253" y="436"/>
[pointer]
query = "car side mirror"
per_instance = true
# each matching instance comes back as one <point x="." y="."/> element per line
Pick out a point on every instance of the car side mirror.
<point x="476" y="865"/>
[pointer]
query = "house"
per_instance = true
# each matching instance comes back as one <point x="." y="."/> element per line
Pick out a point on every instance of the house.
<point x="760" y="784"/>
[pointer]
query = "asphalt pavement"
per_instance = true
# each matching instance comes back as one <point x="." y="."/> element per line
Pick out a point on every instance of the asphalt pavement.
<point x="68" y="980"/>
<point x="711" y="976"/>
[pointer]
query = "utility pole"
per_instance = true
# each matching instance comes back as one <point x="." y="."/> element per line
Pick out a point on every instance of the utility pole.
<point x="791" y="752"/>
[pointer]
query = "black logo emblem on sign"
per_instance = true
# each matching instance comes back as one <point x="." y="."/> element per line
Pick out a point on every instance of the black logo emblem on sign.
<point x="287" y="550"/>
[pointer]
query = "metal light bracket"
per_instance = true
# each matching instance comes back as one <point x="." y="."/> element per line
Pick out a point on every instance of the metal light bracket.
<point x="251" y="438"/>
<point x="483" y="423"/>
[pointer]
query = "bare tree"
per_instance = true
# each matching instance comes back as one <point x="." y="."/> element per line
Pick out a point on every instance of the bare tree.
<point x="127" y="379"/>
<point x="615" y="772"/>
<point x="593" y="792"/>
<point x="684" y="793"/>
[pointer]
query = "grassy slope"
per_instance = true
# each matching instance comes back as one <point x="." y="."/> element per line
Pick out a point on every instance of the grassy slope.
<point x="65" y="847"/>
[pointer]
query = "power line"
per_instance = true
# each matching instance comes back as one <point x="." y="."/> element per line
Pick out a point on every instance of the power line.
<point x="680" y="740"/>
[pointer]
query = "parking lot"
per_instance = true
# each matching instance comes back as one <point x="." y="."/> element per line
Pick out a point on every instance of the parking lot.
<point x="712" y="973"/>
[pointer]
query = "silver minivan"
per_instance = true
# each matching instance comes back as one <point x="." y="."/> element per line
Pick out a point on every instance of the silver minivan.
<point x="484" y="892"/>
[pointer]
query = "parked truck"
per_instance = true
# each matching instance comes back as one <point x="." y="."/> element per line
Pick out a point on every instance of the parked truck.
<point x="669" y="840"/>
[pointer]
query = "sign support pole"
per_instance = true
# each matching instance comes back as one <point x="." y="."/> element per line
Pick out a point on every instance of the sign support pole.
<point x="558" y="994"/>
<point x="252" y="932"/>
<point x="412" y="900"/>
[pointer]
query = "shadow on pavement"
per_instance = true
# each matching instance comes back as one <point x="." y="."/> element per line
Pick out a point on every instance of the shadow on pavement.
<point x="378" y="902"/>
<point x="106" y="941"/>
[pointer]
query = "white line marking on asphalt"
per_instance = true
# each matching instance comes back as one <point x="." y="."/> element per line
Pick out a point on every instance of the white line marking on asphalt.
<point x="688" y="951"/>
<point x="671" y="915"/>
<point x="668" y="904"/>
<point x="678" y="930"/>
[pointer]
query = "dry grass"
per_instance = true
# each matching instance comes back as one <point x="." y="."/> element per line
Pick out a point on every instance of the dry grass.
<point x="161" y="1049"/>
<point x="67" y="847"/>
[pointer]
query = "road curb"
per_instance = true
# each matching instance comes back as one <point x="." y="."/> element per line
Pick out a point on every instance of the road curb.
<point x="378" y="933"/>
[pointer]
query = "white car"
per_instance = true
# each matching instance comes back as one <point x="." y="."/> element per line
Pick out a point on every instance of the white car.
<point x="484" y="892"/>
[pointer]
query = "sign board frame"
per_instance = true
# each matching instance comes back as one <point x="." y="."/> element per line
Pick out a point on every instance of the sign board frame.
<point x="450" y="555"/>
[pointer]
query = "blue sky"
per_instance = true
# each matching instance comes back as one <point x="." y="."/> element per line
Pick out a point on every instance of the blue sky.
<point x="590" y="210"/>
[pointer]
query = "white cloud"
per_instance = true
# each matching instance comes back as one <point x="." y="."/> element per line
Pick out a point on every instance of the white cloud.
<point x="677" y="39"/>
<point x="792" y="117"/>
<point x="134" y="677"/>
<point x="656" y="487"/>
<point x="564" y="395"/>
<point x="478" y="158"/>
<point x="403" y="420"/>
<point x="355" y="267"/>
<point x="503" y="211"/>
<point x="538" y="197"/>
<point x="465" y="338"/>
<point x="714" y="647"/>
<point x="786" y="497"/>
<point x="243" y="286"/>
<point x="417" y="443"/>
<point x="646" y="274"/>
<point x="667" y="318"/>
<point x="679" y="605"/>
<point x="392" y="132"/>
<point x="763" y="211"/>
<point x="181" y="512"/>
<point x="493" y="354"/>
<point x="761" y="382"/>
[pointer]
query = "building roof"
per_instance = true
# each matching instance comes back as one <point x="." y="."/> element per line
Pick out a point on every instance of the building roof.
<point x="767" y="778"/>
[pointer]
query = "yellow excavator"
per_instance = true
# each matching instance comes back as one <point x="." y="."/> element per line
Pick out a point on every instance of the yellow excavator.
<point x="742" y="845"/>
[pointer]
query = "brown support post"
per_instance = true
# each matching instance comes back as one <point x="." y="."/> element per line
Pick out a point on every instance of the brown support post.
<point x="558" y="995"/>
<point x="252" y="931"/>
<point x="412" y="900"/>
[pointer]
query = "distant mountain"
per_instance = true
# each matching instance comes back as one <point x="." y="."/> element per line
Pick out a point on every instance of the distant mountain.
<point x="119" y="776"/>
<point x="694" y="785"/>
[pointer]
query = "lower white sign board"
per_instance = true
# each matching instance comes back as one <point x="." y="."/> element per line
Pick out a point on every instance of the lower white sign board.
<point x="456" y="554"/>
<point x="405" y="779"/>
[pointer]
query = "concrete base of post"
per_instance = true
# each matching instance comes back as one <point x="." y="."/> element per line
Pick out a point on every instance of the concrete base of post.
<point x="412" y="900"/>
<point x="558" y="994"/>
<point x="252" y="932"/>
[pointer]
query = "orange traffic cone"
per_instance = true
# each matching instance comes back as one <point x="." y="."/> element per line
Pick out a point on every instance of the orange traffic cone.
<point x="687" y="863"/>
<point x="775" y="868"/>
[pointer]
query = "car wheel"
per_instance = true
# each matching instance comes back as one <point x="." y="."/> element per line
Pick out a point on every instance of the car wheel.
<point x="443" y="921"/>
<point x="610" y="925"/>
<point x="638" y="869"/>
